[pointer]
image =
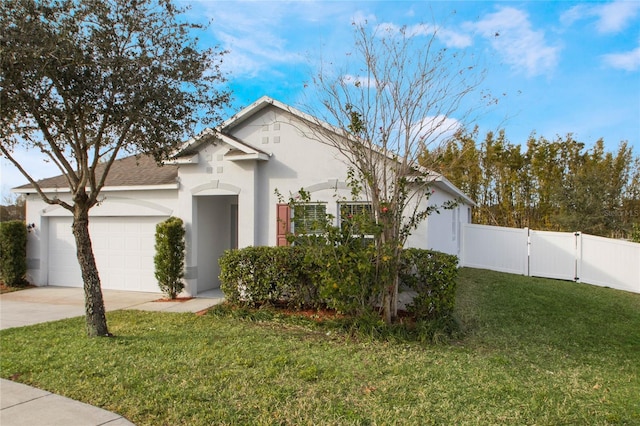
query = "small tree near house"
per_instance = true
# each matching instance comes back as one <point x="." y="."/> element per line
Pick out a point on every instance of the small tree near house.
<point x="169" y="257"/>
<point x="398" y="98"/>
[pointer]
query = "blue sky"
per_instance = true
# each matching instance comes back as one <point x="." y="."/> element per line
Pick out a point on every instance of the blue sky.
<point x="558" y="67"/>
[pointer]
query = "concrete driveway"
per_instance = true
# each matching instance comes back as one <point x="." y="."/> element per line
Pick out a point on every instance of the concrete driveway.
<point x="44" y="304"/>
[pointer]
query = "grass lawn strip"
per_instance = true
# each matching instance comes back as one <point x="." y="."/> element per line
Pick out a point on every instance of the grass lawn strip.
<point x="535" y="351"/>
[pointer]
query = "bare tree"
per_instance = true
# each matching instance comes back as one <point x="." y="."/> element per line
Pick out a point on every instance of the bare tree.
<point x="84" y="81"/>
<point x="406" y="95"/>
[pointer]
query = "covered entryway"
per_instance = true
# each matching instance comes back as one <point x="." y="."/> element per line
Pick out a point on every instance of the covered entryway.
<point x="217" y="231"/>
<point x="123" y="246"/>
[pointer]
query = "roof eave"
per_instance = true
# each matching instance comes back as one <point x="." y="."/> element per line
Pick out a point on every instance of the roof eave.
<point x="455" y="190"/>
<point x="31" y="190"/>
<point x="251" y="156"/>
<point x="183" y="160"/>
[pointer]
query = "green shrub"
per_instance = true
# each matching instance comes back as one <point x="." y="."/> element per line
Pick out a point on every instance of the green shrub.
<point x="432" y="275"/>
<point x="303" y="278"/>
<point x="13" y="252"/>
<point x="635" y="233"/>
<point x="257" y="275"/>
<point x="348" y="277"/>
<point x="169" y="257"/>
<point x="244" y="276"/>
<point x="341" y="277"/>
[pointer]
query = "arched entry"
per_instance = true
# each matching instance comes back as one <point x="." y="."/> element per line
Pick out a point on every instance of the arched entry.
<point x="215" y="230"/>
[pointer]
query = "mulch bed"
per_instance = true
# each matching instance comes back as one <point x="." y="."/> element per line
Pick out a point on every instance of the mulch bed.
<point x="8" y="289"/>
<point x="177" y="299"/>
<point x="323" y="314"/>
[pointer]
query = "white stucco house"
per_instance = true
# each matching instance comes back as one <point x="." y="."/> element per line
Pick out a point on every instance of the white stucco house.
<point x="223" y="184"/>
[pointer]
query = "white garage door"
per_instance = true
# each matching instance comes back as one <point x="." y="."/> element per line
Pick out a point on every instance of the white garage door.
<point x="123" y="246"/>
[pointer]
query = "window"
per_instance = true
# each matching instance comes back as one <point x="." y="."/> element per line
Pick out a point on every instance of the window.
<point x="357" y="216"/>
<point x="309" y="218"/>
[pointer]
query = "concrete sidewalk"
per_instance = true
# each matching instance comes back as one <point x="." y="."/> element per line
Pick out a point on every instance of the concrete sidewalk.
<point x="24" y="405"/>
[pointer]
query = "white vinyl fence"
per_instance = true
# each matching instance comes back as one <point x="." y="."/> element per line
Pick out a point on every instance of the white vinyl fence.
<point x="560" y="255"/>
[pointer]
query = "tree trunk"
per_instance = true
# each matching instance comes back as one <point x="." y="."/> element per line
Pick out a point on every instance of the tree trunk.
<point x="394" y="297"/>
<point x="93" y="302"/>
<point x="386" y="305"/>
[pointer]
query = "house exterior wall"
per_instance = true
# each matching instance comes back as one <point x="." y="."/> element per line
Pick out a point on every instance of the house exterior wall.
<point x="209" y="181"/>
<point x="444" y="227"/>
<point x="217" y="184"/>
<point x="214" y="236"/>
<point x="132" y="203"/>
<point x="295" y="162"/>
<point x="299" y="162"/>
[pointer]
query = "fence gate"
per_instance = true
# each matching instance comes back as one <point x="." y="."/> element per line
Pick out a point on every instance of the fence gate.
<point x="554" y="254"/>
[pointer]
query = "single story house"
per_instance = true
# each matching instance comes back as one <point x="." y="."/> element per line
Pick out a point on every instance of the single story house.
<point x="223" y="184"/>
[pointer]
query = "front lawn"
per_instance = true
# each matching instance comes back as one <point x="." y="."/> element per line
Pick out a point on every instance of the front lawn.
<point x="535" y="351"/>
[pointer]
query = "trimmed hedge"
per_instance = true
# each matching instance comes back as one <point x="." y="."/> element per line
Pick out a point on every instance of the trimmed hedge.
<point x="257" y="275"/>
<point x="432" y="275"/>
<point x="13" y="252"/>
<point x="348" y="281"/>
<point x="305" y="276"/>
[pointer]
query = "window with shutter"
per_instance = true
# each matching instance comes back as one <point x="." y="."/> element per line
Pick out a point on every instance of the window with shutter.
<point x="309" y="218"/>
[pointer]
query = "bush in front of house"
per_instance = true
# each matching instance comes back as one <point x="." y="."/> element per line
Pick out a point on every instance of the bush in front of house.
<point x="254" y="276"/>
<point x="169" y="257"/>
<point x="13" y="252"/>
<point x="247" y="275"/>
<point x="348" y="281"/>
<point x="338" y="277"/>
<point x="432" y="275"/>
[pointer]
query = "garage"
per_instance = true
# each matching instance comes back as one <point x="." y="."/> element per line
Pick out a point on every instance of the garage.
<point x="123" y="247"/>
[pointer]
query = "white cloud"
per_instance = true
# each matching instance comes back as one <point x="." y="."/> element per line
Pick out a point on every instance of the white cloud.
<point x="574" y="14"/>
<point x="435" y="130"/>
<point x="510" y="33"/>
<point x="358" y="81"/>
<point x="251" y="56"/>
<point x="261" y="36"/>
<point x="614" y="17"/>
<point x="628" y="61"/>
<point x="611" y="17"/>
<point x="360" y="18"/>
<point x="455" y="39"/>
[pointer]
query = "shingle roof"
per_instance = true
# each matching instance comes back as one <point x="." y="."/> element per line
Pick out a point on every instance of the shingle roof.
<point x="141" y="170"/>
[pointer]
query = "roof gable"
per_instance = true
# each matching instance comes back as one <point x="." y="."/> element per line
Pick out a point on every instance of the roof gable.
<point x="241" y="150"/>
<point x="224" y="132"/>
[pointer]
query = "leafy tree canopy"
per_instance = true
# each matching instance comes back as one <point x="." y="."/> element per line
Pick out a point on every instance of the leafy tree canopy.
<point x="84" y="81"/>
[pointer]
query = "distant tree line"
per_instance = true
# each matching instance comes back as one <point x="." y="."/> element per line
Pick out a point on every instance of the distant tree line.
<point x="558" y="185"/>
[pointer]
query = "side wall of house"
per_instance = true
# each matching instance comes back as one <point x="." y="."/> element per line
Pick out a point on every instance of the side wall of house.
<point x="445" y="224"/>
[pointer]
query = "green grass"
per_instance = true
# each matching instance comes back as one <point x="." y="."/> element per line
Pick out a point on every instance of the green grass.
<point x="534" y="351"/>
